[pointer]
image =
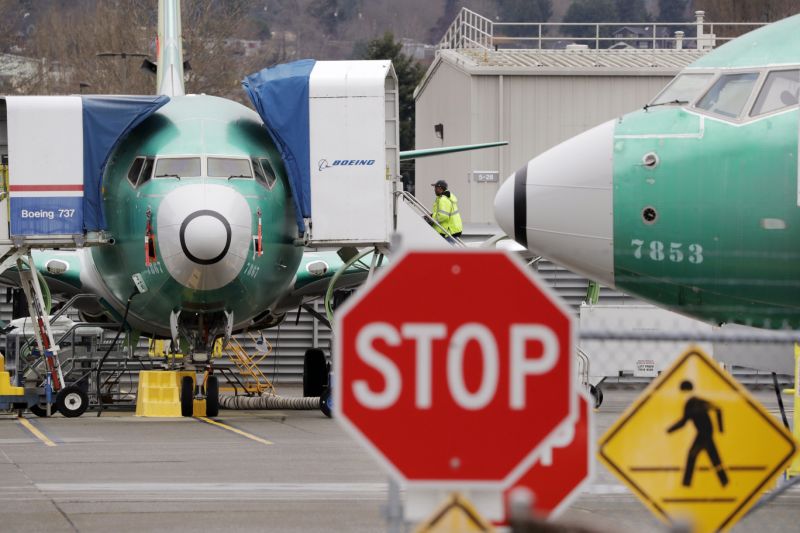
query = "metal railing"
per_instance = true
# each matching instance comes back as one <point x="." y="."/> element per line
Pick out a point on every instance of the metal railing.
<point x="423" y="211"/>
<point x="471" y="30"/>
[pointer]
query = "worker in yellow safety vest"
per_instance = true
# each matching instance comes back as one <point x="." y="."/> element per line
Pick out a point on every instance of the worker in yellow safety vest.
<point x="445" y="211"/>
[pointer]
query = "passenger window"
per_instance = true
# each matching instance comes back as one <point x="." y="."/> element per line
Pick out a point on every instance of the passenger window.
<point x="779" y="91"/>
<point x="147" y="171"/>
<point x="178" y="167"/>
<point x="729" y="94"/>
<point x="135" y="170"/>
<point x="684" y="88"/>
<point x="225" y="167"/>
<point x="268" y="172"/>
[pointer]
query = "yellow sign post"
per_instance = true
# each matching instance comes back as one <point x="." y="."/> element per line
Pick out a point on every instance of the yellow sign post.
<point x="696" y="447"/>
<point x="794" y="469"/>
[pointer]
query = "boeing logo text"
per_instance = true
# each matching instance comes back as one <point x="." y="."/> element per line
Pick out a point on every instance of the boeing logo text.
<point x="323" y="163"/>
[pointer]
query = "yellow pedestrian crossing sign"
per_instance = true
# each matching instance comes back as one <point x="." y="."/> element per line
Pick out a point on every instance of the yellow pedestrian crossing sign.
<point x="455" y="514"/>
<point x="696" y="446"/>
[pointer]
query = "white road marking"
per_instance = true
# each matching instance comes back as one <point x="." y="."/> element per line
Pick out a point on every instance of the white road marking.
<point x="344" y="488"/>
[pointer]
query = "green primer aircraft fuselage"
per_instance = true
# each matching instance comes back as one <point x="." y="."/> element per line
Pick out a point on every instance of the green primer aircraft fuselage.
<point x="191" y="127"/>
<point x="691" y="203"/>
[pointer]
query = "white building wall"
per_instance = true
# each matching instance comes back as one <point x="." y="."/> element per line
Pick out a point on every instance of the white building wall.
<point x="532" y="112"/>
<point x="447" y="101"/>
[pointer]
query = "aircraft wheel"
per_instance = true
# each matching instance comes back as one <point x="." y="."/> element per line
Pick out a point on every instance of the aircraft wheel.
<point x="39" y="410"/>
<point x="187" y="396"/>
<point x="212" y="396"/>
<point x="597" y="396"/>
<point x="315" y="373"/>
<point x="72" y="401"/>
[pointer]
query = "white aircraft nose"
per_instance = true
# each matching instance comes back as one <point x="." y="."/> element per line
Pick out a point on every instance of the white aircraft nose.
<point x="560" y="205"/>
<point x="204" y="233"/>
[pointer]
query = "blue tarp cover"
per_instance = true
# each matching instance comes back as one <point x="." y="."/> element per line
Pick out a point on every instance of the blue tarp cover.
<point x="280" y="95"/>
<point x="106" y="120"/>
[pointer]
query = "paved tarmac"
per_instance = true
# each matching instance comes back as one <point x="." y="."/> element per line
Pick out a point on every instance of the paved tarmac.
<point x="283" y="471"/>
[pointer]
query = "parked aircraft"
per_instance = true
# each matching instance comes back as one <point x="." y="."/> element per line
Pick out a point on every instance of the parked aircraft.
<point x="205" y="238"/>
<point x="692" y="202"/>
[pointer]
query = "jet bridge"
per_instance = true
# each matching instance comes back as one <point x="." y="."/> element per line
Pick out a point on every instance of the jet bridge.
<point x="336" y="126"/>
<point x="54" y="150"/>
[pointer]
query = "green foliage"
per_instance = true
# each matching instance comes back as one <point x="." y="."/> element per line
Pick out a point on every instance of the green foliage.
<point x="448" y="15"/>
<point x="330" y="13"/>
<point x="409" y="74"/>
<point x="262" y="29"/>
<point x="672" y="10"/>
<point x="632" y="11"/>
<point x="525" y="10"/>
<point x="589" y="11"/>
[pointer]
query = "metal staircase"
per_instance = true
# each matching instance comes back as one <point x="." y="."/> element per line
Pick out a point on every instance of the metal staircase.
<point x="252" y="379"/>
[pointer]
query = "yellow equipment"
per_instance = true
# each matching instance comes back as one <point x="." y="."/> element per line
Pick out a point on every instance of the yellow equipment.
<point x="159" y="394"/>
<point x="6" y="389"/>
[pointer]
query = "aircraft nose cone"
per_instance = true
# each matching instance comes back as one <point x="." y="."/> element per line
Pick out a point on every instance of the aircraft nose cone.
<point x="205" y="237"/>
<point x="204" y="234"/>
<point x="504" y="211"/>
<point x="560" y="205"/>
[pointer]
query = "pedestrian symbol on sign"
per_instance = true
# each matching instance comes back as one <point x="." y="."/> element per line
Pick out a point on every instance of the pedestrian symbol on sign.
<point x="696" y="410"/>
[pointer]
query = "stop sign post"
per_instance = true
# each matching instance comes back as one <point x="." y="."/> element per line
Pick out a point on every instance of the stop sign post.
<point x="455" y="367"/>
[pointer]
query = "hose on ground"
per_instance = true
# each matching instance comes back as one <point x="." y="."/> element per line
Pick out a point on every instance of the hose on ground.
<point x="268" y="401"/>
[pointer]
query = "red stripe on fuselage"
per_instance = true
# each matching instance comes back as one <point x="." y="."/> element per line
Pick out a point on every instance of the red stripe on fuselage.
<point x="29" y="188"/>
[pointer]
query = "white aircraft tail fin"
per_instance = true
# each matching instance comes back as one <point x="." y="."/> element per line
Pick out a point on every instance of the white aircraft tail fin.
<point x="169" y="72"/>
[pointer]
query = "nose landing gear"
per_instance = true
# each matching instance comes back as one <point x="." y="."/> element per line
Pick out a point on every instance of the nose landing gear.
<point x="207" y="392"/>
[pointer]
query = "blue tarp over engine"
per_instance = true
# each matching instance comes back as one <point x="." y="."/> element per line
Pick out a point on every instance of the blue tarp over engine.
<point x="106" y="120"/>
<point x="280" y="95"/>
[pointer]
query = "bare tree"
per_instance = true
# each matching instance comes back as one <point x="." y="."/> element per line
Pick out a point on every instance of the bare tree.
<point x="738" y="11"/>
<point x="98" y="47"/>
<point x="92" y="47"/>
<point x="218" y="45"/>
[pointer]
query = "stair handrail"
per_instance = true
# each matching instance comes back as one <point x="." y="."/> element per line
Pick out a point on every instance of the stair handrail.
<point x="423" y="211"/>
<point x="248" y="367"/>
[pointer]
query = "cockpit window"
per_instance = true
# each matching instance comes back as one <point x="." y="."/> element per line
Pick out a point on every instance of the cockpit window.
<point x="140" y="171"/>
<point x="269" y="172"/>
<point x="260" y="176"/>
<point x="178" y="167"/>
<point x="683" y="89"/>
<point x="136" y="168"/>
<point x="147" y="170"/>
<point x="225" y="167"/>
<point x="778" y="92"/>
<point x="729" y="94"/>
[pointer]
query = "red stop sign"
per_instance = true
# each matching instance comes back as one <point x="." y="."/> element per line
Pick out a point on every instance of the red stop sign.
<point x="560" y="471"/>
<point x="455" y="366"/>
